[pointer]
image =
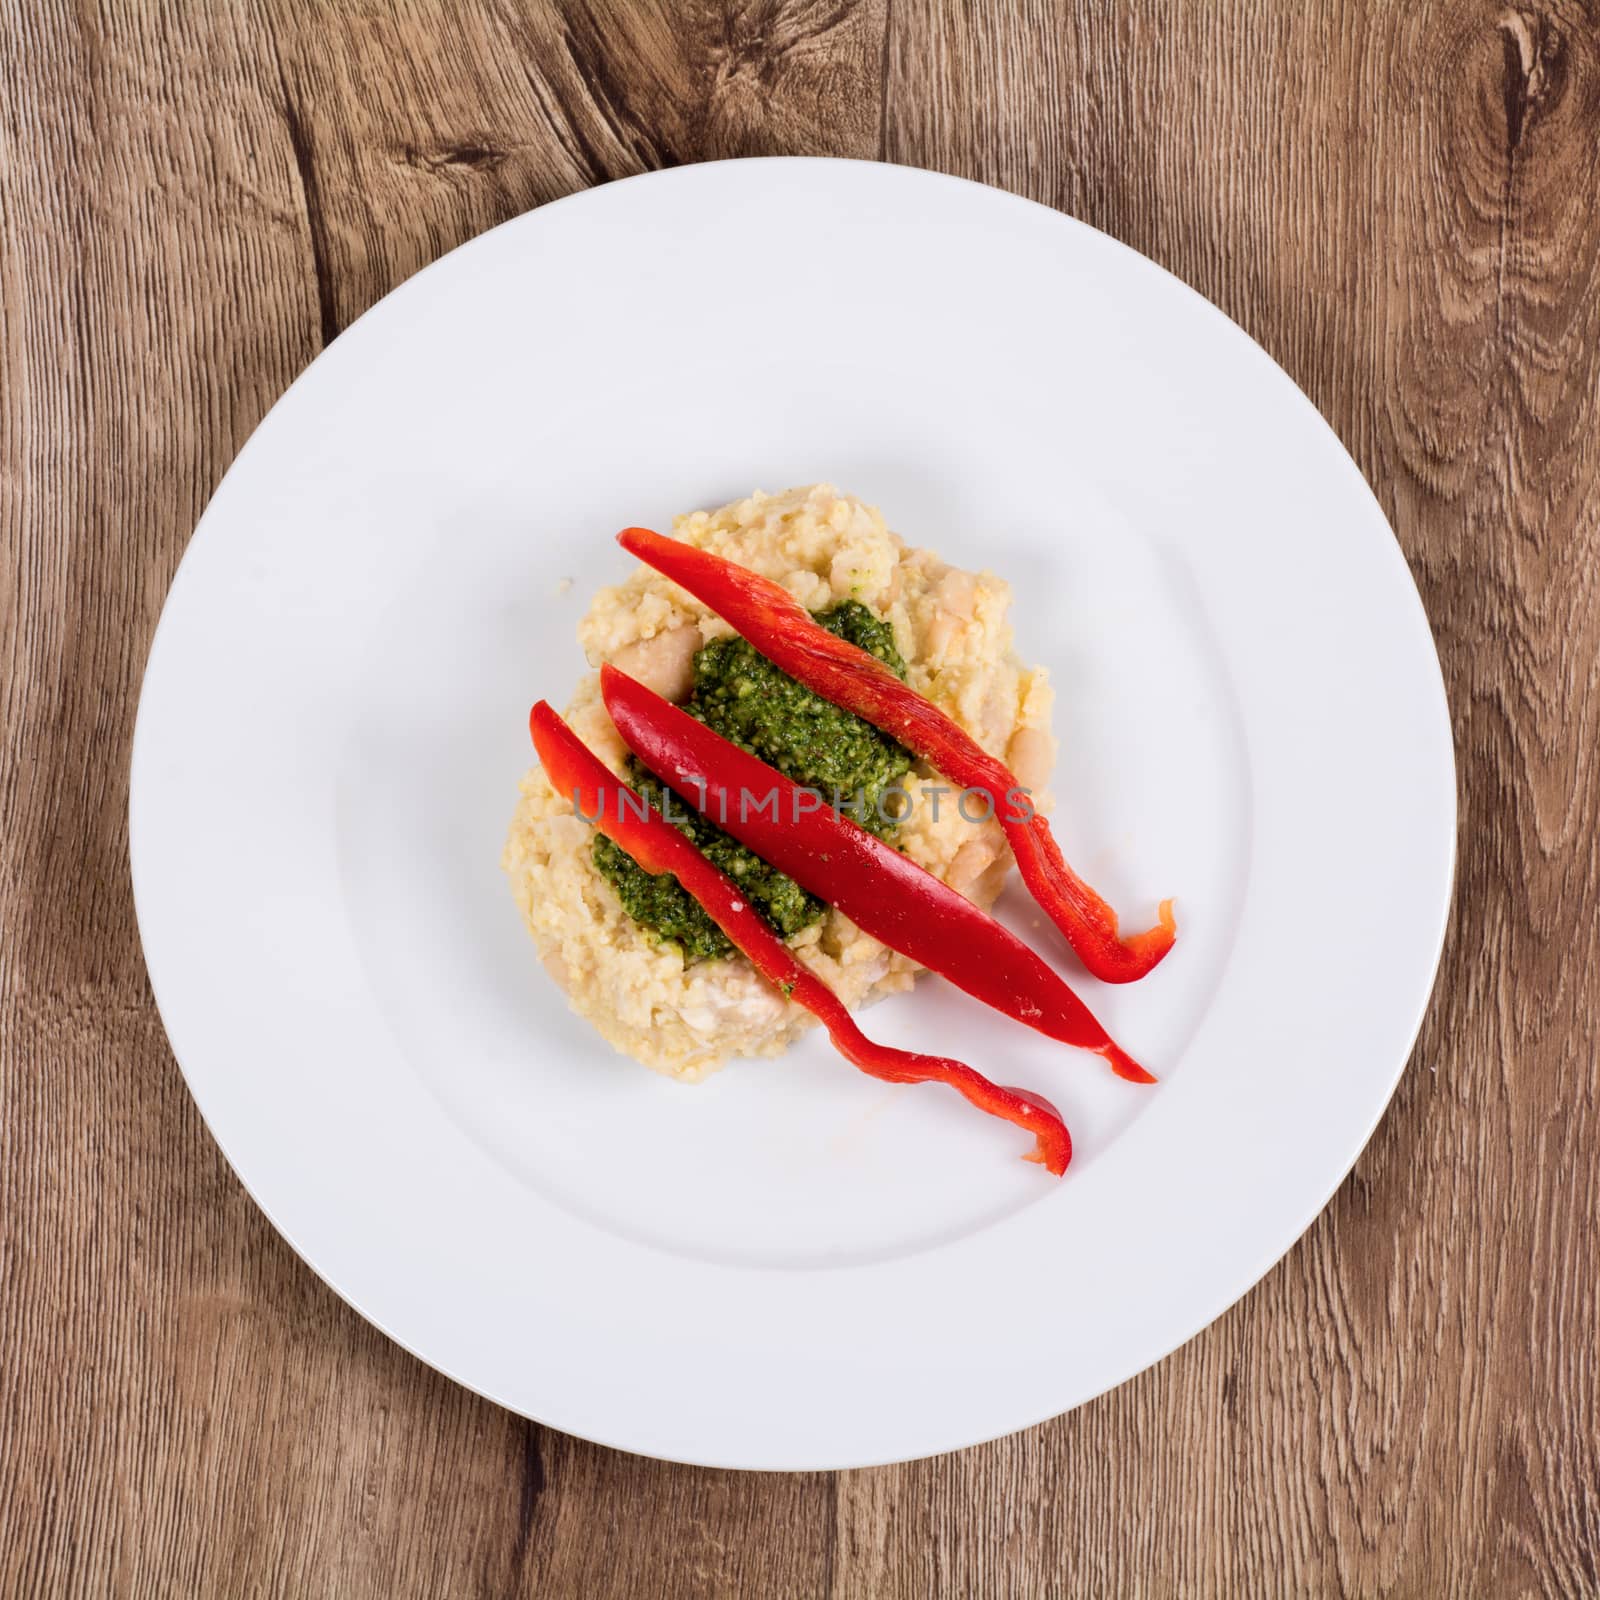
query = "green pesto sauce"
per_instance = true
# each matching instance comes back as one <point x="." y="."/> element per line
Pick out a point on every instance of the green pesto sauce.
<point x="744" y="697"/>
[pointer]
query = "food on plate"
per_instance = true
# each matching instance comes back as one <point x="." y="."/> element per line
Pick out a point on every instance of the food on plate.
<point x="631" y="822"/>
<point x="636" y="956"/>
<point x="734" y="835"/>
<point x="742" y="695"/>
<point x="884" y="893"/>
<point x="777" y="625"/>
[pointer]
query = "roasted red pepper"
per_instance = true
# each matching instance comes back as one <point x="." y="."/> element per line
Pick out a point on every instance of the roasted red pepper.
<point x="885" y="893"/>
<point x="657" y="846"/>
<point x="783" y="631"/>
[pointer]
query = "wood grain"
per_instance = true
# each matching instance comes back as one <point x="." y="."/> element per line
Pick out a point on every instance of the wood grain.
<point x="1397" y="201"/>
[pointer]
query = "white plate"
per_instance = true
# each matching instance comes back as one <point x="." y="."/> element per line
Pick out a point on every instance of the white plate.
<point x="791" y="1266"/>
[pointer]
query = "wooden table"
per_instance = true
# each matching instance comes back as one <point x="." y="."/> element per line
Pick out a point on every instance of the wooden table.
<point x="1396" y="199"/>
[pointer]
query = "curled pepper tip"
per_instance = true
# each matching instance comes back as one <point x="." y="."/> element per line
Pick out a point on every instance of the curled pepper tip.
<point x="1052" y="1146"/>
<point x="1051" y="1154"/>
<point x="1147" y="949"/>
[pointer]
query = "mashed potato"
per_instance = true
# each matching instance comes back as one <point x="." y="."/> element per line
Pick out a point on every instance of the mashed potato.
<point x="950" y="625"/>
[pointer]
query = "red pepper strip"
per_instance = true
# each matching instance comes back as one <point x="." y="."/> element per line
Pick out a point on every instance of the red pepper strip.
<point x="657" y="846"/>
<point x="783" y="631"/>
<point x="884" y="893"/>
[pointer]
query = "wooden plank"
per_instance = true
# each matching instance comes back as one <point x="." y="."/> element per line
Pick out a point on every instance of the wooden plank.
<point x="1397" y="201"/>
